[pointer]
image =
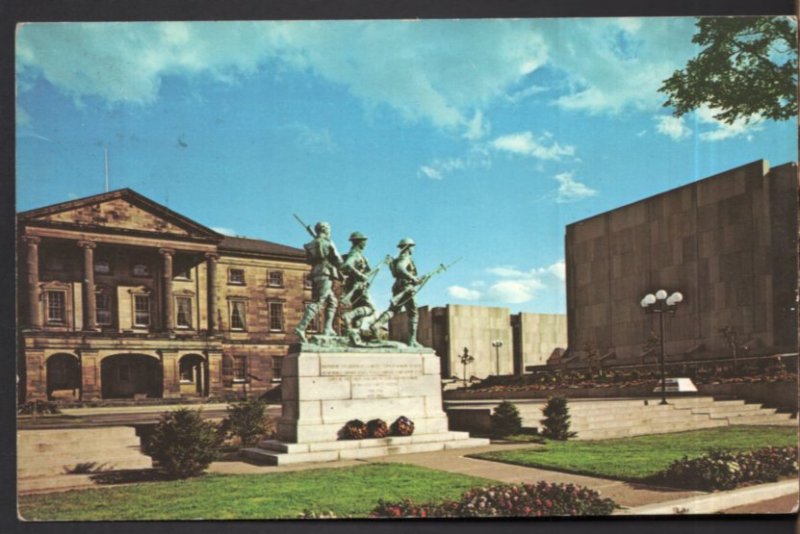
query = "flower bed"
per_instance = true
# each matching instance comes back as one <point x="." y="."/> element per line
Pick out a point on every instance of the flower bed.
<point x="720" y="470"/>
<point x="519" y="500"/>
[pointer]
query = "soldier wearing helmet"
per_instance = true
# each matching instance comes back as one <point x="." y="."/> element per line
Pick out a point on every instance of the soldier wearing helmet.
<point x="356" y="286"/>
<point x="403" y="290"/>
<point x="325" y="261"/>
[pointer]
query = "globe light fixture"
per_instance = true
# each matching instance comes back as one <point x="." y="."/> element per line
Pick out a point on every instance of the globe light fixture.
<point x="662" y="304"/>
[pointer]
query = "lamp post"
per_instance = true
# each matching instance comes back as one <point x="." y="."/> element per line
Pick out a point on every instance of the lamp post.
<point x="661" y="304"/>
<point x="497" y="344"/>
<point x="466" y="359"/>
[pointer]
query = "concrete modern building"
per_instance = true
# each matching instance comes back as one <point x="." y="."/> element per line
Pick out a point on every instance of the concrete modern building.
<point x="120" y="297"/>
<point x="525" y="339"/>
<point x="728" y="243"/>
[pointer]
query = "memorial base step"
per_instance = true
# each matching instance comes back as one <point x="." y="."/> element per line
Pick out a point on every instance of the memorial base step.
<point x="273" y="452"/>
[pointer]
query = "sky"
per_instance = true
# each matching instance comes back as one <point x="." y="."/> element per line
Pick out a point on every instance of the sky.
<point x="479" y="139"/>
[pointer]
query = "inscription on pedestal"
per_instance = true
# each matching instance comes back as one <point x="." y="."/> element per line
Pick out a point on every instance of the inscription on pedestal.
<point x="374" y="388"/>
<point x="393" y="369"/>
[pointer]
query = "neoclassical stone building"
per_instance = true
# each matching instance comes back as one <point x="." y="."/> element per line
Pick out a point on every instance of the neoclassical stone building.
<point x="121" y="297"/>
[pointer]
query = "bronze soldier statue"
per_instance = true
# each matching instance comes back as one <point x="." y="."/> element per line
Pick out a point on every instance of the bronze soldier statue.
<point x="404" y="290"/>
<point x="325" y="261"/>
<point x="356" y="286"/>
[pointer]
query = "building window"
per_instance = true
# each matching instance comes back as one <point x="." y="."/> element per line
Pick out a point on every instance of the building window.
<point x="307" y="283"/>
<point x="276" y="316"/>
<point x="238" y="315"/>
<point x="239" y="368"/>
<point x="103" y="307"/>
<point x="187" y="368"/>
<point x="102" y="266"/>
<point x="185" y="274"/>
<point x="236" y="276"/>
<point x="183" y="310"/>
<point x="56" y="306"/>
<point x="277" y="364"/>
<point x="276" y="279"/>
<point x="313" y="326"/>
<point x="141" y="269"/>
<point x="141" y="310"/>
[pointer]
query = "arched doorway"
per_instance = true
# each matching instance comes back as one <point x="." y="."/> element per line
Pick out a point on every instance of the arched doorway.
<point x="193" y="375"/>
<point x="63" y="377"/>
<point x="127" y="376"/>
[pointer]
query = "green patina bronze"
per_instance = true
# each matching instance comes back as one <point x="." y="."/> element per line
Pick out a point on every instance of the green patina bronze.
<point x="362" y="323"/>
<point x="325" y="263"/>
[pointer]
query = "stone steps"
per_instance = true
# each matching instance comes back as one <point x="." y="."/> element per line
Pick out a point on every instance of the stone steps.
<point x="46" y="458"/>
<point x="272" y="452"/>
<point x="613" y="418"/>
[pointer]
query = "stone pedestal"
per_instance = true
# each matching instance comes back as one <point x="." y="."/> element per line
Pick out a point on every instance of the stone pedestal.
<point x="322" y="391"/>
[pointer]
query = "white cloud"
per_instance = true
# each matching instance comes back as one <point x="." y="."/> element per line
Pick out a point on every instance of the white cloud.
<point x="525" y="93"/>
<point x="430" y="172"/>
<point x="673" y="127"/>
<point x="224" y="231"/>
<point x="514" y="291"/>
<point x="570" y="189"/>
<point x="517" y="285"/>
<point x="616" y="64"/>
<point x="722" y="130"/>
<point x="506" y="272"/>
<point x="317" y="140"/>
<point x="463" y="293"/>
<point x="476" y="157"/>
<point x="558" y="269"/>
<point x="383" y="63"/>
<point x="525" y="144"/>
<point x="477" y="127"/>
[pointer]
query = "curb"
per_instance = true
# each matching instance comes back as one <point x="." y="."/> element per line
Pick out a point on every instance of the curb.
<point x="715" y="502"/>
<point x="140" y="409"/>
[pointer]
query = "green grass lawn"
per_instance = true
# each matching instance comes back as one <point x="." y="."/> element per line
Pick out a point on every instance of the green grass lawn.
<point x="350" y="491"/>
<point x="639" y="457"/>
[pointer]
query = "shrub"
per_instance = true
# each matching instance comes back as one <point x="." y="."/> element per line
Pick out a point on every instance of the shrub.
<point x="377" y="428"/>
<point x="403" y="426"/>
<point x="556" y="420"/>
<point x="354" y="429"/>
<point x="721" y="470"/>
<point x="182" y="444"/>
<point x="516" y="500"/>
<point x="506" y="420"/>
<point x="247" y="421"/>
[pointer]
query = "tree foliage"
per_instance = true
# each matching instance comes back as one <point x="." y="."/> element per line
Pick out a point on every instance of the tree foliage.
<point x="747" y="68"/>
<point x="556" y="422"/>
<point x="246" y="420"/>
<point x="506" y="420"/>
<point x="182" y="444"/>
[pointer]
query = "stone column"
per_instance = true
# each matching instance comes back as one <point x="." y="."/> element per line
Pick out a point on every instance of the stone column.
<point x="211" y="284"/>
<point x="89" y="304"/>
<point x="168" y="319"/>
<point x="34" y="304"/>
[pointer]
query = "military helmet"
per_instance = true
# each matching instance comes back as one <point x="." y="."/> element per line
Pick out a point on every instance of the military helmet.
<point x="406" y="242"/>
<point x="357" y="236"/>
<point x="322" y="226"/>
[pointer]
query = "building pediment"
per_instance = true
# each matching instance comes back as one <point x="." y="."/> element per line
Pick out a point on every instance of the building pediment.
<point x="123" y="211"/>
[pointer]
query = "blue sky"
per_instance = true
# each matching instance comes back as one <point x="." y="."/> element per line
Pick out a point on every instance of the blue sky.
<point x="480" y="139"/>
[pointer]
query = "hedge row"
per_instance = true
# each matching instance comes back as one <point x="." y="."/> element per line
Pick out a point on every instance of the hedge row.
<point x="519" y="500"/>
<point x="721" y="470"/>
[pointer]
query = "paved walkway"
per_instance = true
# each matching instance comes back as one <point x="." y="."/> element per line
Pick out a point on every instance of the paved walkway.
<point x="454" y="461"/>
<point x="636" y="499"/>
